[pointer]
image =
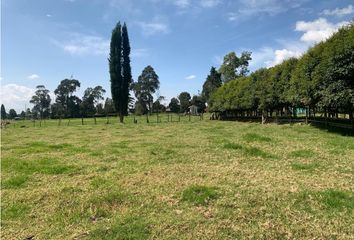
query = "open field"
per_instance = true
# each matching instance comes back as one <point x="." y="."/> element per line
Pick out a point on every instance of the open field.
<point x="181" y="180"/>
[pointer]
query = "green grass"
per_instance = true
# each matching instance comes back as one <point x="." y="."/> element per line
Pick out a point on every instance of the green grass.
<point x="180" y="180"/>
<point x="199" y="195"/>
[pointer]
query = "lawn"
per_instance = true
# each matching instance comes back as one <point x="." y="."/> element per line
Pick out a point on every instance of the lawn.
<point x="175" y="180"/>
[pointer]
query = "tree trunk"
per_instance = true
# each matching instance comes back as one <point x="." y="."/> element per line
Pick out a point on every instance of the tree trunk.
<point x="264" y="116"/>
<point x="121" y="118"/>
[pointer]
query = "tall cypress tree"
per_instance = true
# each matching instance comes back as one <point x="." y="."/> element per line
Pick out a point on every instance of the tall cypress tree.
<point x="3" y="112"/>
<point x="127" y="72"/>
<point x="115" y="71"/>
<point x="119" y="69"/>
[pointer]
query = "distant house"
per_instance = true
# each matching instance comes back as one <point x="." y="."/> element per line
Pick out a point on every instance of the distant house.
<point x="193" y="110"/>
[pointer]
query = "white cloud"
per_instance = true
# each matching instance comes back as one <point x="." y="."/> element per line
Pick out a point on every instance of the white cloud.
<point x="317" y="30"/>
<point x="154" y="27"/>
<point x="339" y="11"/>
<point x="16" y="96"/>
<point x="283" y="54"/>
<point x="209" y="3"/>
<point x="181" y="3"/>
<point x="190" y="77"/>
<point x="261" y="57"/>
<point x="33" y="76"/>
<point x="49" y="15"/>
<point x="81" y="44"/>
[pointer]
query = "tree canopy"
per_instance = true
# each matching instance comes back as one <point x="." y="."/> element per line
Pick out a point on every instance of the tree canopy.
<point x="321" y="80"/>
<point x="41" y="101"/>
<point x="148" y="83"/>
<point x="234" y="67"/>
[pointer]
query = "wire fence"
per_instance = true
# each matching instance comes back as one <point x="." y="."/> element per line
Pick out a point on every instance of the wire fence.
<point x="111" y="120"/>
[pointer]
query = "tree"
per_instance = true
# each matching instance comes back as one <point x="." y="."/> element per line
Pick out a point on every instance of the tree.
<point x="174" y="105"/>
<point x="67" y="103"/>
<point x="3" y="112"/>
<point x="91" y="97"/>
<point x="212" y="82"/>
<point x="157" y="106"/>
<point x="199" y="102"/>
<point x="119" y="69"/>
<point x="23" y="115"/>
<point x="235" y="67"/>
<point x="12" y="114"/>
<point x="100" y="109"/>
<point x="184" y="99"/>
<point x="109" y="106"/>
<point x="148" y="83"/>
<point x="41" y="101"/>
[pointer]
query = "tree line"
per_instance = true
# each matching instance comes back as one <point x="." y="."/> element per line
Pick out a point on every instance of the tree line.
<point x="321" y="81"/>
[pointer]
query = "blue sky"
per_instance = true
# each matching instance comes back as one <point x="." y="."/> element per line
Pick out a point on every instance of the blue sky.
<point x="46" y="41"/>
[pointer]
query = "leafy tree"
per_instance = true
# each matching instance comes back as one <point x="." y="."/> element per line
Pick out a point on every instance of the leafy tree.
<point x="12" y="113"/>
<point x="109" y="106"/>
<point x="235" y="67"/>
<point x="66" y="103"/>
<point x="119" y="69"/>
<point x="100" y="109"/>
<point x="148" y="83"/>
<point x="199" y="102"/>
<point x="174" y="105"/>
<point x="157" y="106"/>
<point x="212" y="82"/>
<point x="91" y="97"/>
<point x="41" y="101"/>
<point x="3" y="112"/>
<point x="23" y="115"/>
<point x="184" y="99"/>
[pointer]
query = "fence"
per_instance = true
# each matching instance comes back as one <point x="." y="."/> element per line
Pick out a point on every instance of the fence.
<point x="130" y="119"/>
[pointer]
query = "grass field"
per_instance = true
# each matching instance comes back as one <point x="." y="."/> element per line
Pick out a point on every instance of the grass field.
<point x="180" y="180"/>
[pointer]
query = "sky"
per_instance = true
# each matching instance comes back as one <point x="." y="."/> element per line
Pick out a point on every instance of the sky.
<point x="46" y="41"/>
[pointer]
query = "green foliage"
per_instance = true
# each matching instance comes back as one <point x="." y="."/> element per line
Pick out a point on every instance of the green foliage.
<point x="119" y="69"/>
<point x="148" y="83"/>
<point x="184" y="100"/>
<point x="41" y="101"/>
<point x="322" y="79"/>
<point x="12" y="114"/>
<point x="199" y="102"/>
<point x="174" y="105"/>
<point x="91" y="97"/>
<point x="67" y="104"/>
<point x="212" y="83"/>
<point x="234" y="67"/>
<point x="200" y="195"/>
